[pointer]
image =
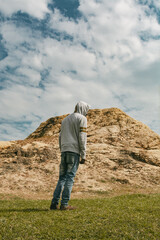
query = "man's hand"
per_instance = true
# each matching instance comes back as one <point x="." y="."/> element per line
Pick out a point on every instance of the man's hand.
<point x="82" y="161"/>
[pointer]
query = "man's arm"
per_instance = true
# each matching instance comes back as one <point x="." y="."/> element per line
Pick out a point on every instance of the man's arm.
<point x="60" y="140"/>
<point x="83" y="138"/>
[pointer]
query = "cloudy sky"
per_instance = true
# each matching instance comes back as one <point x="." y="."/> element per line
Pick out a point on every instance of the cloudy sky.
<point x="54" y="53"/>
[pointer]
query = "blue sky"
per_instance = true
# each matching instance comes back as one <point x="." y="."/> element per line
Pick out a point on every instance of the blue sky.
<point x="54" y="53"/>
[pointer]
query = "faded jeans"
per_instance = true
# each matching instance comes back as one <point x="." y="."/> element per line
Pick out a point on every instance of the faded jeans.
<point x="68" y="168"/>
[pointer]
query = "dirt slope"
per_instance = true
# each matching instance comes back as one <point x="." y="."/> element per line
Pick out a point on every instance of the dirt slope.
<point x="123" y="155"/>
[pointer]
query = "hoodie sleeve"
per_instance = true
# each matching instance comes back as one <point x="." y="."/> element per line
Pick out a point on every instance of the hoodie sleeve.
<point x="83" y="137"/>
<point x="60" y="140"/>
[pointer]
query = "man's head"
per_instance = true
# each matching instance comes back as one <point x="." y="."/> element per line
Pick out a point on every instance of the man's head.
<point x="82" y="108"/>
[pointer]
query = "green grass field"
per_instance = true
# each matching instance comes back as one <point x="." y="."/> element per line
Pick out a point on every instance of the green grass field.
<point x="122" y="217"/>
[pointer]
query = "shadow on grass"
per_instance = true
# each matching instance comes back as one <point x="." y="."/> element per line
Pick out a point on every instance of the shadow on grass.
<point x="25" y="210"/>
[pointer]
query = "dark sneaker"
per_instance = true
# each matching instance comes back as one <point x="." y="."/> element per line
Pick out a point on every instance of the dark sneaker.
<point x="54" y="207"/>
<point x="67" y="207"/>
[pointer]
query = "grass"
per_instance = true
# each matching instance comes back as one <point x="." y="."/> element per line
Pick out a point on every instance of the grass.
<point x="122" y="217"/>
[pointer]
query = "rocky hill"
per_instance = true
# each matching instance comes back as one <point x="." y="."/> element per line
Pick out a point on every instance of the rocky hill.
<point x="123" y="155"/>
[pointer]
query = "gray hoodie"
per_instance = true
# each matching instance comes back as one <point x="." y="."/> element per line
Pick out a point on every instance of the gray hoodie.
<point x="73" y="134"/>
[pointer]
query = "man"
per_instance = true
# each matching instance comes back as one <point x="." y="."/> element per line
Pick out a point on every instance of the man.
<point x="72" y="143"/>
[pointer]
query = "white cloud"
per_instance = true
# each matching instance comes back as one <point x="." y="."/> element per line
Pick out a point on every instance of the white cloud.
<point x="33" y="76"/>
<point x="112" y="30"/>
<point x="18" y="101"/>
<point x="34" y="8"/>
<point x="103" y="62"/>
<point x="63" y="56"/>
<point x="115" y="27"/>
<point x="152" y="2"/>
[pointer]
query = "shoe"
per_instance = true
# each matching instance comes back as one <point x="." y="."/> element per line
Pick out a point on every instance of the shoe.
<point x="54" y="207"/>
<point x="62" y="207"/>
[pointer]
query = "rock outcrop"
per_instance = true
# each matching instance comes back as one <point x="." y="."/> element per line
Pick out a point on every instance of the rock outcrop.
<point x="123" y="155"/>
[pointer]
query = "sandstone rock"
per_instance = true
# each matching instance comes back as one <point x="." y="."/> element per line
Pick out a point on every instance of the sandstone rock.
<point x="123" y="155"/>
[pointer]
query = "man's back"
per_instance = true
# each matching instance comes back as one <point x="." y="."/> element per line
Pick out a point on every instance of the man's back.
<point x="71" y="129"/>
<point x="73" y="137"/>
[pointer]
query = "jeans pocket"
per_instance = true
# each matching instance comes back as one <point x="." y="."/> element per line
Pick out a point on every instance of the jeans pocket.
<point x="62" y="167"/>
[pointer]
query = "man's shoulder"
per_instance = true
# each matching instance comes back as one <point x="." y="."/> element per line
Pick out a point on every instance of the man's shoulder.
<point x="71" y="116"/>
<point x="75" y="117"/>
<point x="79" y="116"/>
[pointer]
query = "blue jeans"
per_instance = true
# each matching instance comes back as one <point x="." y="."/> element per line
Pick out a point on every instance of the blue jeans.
<point x="68" y="168"/>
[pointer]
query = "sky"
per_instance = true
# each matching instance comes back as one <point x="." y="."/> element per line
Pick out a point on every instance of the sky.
<point x="54" y="53"/>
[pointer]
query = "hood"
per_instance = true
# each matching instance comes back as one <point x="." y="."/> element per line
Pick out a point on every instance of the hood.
<point x="82" y="108"/>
